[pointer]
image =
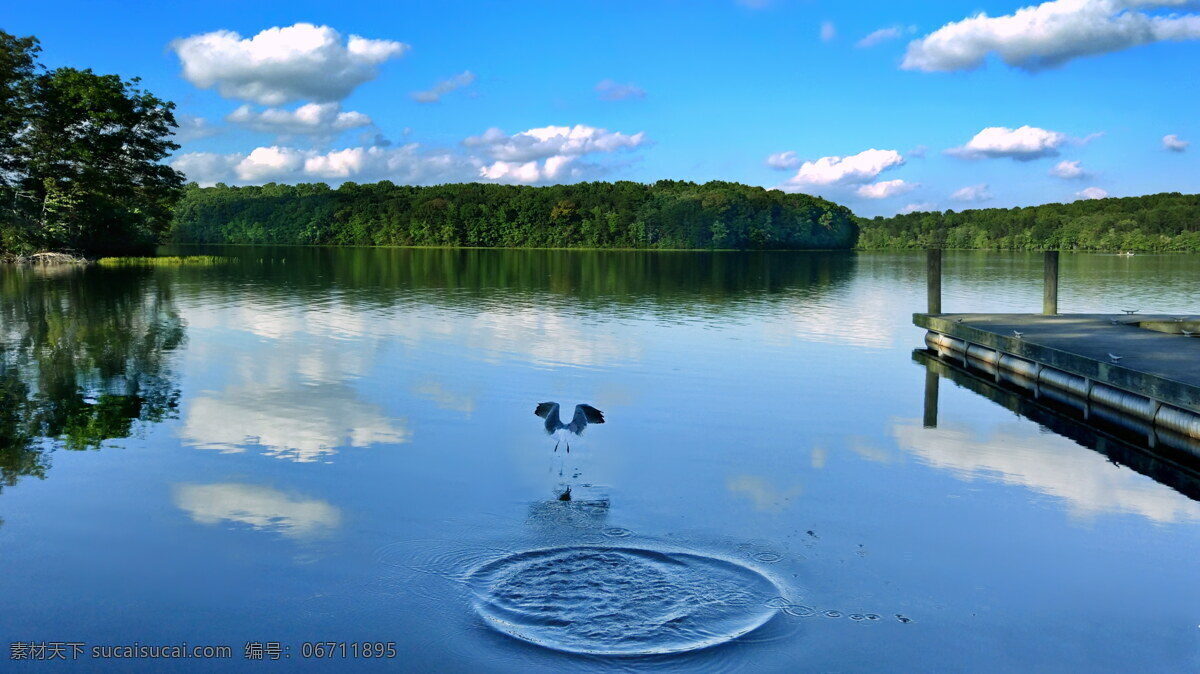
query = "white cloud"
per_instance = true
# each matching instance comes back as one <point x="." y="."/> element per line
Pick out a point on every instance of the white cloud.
<point x="920" y="206"/>
<point x="972" y="193"/>
<point x="784" y="161"/>
<point x="538" y="155"/>
<point x="433" y="95"/>
<point x="311" y="119"/>
<point x="1092" y="193"/>
<point x="918" y="152"/>
<point x="1050" y="34"/>
<point x="614" y="91"/>
<point x="193" y="128"/>
<point x="885" y="189"/>
<point x="1069" y="170"/>
<point x="206" y="168"/>
<point x="857" y="169"/>
<point x="515" y="172"/>
<point x="1174" y="143"/>
<point x="549" y="141"/>
<point x="516" y="157"/>
<point x="407" y="164"/>
<point x="278" y="65"/>
<point x="885" y="34"/>
<point x="269" y="163"/>
<point x="259" y="507"/>
<point x="828" y="31"/>
<point x="1024" y="144"/>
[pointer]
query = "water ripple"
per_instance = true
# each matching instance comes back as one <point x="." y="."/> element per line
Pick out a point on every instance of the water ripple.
<point x="621" y="601"/>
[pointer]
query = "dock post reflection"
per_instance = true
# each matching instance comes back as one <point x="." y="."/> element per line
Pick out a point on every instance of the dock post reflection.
<point x="1169" y="458"/>
<point x="931" y="398"/>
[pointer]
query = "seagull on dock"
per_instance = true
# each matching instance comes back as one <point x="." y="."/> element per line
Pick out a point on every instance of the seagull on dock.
<point x="584" y="415"/>
<point x="1115" y="358"/>
<point x="1018" y="334"/>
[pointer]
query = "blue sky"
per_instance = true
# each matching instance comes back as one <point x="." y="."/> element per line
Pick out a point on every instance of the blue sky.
<point x="946" y="108"/>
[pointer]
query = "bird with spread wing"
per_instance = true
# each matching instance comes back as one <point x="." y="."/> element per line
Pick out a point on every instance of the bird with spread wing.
<point x="584" y="415"/>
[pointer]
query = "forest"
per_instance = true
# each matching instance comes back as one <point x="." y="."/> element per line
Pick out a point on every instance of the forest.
<point x="664" y="215"/>
<point x="1168" y="222"/>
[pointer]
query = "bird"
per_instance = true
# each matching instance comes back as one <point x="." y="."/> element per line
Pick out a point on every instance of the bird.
<point x="1130" y="311"/>
<point x="1187" y="333"/>
<point x="584" y="415"/>
<point x="1115" y="358"/>
<point x="1018" y="333"/>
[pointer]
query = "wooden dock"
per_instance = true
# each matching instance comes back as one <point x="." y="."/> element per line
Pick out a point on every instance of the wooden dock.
<point x="1141" y="372"/>
<point x="1153" y="362"/>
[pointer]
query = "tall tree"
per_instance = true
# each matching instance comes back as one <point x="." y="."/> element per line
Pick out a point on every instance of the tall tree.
<point x="18" y="60"/>
<point x="85" y="166"/>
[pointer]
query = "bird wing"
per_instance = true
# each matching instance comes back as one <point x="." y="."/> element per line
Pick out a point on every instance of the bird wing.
<point x="549" y="412"/>
<point x="585" y="414"/>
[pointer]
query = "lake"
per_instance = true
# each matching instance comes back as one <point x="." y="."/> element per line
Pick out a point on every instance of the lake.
<point x="338" y="445"/>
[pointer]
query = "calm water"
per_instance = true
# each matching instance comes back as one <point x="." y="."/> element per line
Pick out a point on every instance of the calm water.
<point x="339" y="445"/>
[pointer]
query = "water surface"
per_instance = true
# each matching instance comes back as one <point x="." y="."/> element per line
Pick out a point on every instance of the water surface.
<point x="339" y="445"/>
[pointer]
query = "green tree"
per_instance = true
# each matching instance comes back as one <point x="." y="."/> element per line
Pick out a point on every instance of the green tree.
<point x="18" y="60"/>
<point x="81" y="157"/>
<point x="1151" y="223"/>
<point x="667" y="214"/>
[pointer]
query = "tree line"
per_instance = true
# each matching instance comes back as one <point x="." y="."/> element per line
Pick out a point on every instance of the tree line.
<point x="1168" y="222"/>
<point x="667" y="214"/>
<point x="80" y="158"/>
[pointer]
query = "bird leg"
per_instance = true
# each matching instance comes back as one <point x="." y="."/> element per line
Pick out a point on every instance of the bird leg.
<point x="568" y="446"/>
<point x="556" y="445"/>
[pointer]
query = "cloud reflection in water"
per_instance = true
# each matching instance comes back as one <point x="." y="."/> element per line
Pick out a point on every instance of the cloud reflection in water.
<point x="1017" y="454"/>
<point x="259" y="507"/>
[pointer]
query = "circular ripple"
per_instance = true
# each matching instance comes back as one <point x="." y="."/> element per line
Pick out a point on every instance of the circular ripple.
<point x="768" y="557"/>
<point x="833" y="614"/>
<point x="617" y="532"/>
<point x="621" y="601"/>
<point x="800" y="610"/>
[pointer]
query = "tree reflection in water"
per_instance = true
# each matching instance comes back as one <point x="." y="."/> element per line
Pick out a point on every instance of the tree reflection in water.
<point x="84" y="358"/>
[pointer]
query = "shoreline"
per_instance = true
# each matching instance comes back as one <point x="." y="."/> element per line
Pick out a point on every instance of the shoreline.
<point x="44" y="259"/>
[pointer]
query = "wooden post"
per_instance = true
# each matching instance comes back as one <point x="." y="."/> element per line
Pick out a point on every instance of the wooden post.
<point x="1050" y="292"/>
<point x="933" y="257"/>
<point x="931" y="398"/>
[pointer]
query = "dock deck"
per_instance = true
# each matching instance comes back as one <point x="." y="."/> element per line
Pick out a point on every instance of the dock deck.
<point x="1156" y="359"/>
